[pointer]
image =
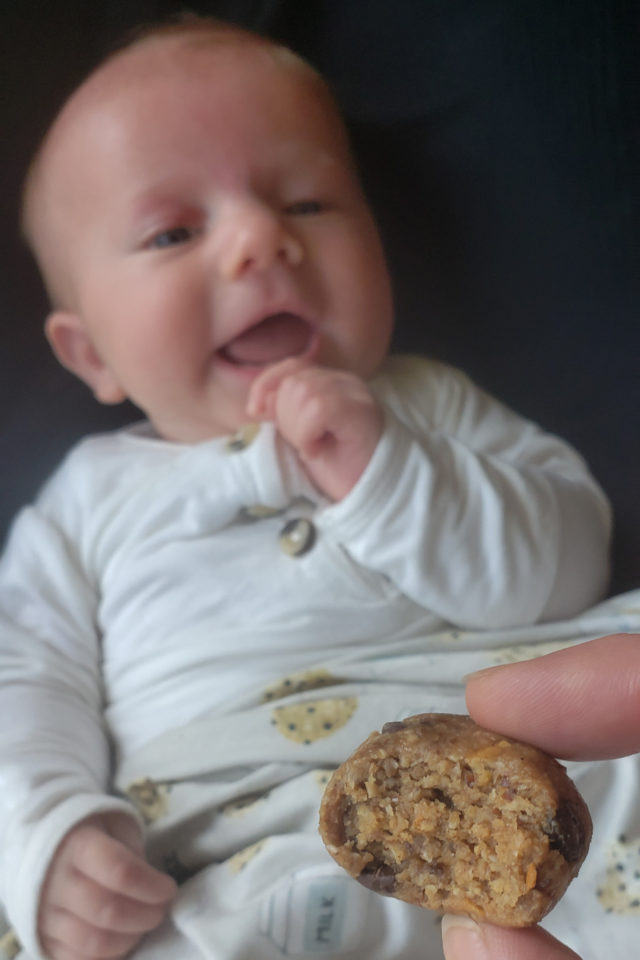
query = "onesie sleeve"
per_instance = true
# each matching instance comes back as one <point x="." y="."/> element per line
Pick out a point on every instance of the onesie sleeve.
<point x="472" y="511"/>
<point x="54" y="755"/>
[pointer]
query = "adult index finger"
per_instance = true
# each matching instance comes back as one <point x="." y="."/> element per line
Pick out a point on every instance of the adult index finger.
<point x="581" y="703"/>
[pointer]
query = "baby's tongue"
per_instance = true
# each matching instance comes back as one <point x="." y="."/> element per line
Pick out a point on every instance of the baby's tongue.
<point x="274" y="338"/>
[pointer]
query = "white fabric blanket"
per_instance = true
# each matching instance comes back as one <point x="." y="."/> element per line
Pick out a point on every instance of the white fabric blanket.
<point x="231" y="805"/>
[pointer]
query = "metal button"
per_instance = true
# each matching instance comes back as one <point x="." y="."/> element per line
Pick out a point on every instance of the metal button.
<point x="242" y="438"/>
<point x="297" y="536"/>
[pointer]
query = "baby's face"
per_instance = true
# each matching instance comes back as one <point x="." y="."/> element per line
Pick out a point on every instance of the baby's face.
<point x="212" y="224"/>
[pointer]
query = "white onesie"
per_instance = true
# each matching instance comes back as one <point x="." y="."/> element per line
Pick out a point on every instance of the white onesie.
<point x="154" y="584"/>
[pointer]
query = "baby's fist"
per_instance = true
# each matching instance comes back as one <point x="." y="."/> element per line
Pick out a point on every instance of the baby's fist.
<point x="329" y="416"/>
<point x="100" y="896"/>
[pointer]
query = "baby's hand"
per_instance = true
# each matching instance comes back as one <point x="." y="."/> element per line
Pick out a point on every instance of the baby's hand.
<point x="328" y="416"/>
<point x="100" y="896"/>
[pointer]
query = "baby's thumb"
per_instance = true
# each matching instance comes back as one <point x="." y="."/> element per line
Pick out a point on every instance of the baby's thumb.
<point x="463" y="939"/>
<point x="126" y="830"/>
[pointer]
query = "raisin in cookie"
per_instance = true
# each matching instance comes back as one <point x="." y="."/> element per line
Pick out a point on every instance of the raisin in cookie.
<point x="441" y="813"/>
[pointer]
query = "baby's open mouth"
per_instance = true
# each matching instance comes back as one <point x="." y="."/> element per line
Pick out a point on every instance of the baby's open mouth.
<point x="277" y="337"/>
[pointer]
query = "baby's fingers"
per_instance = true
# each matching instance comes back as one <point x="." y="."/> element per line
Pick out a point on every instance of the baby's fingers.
<point x="110" y="864"/>
<point x="465" y="940"/>
<point x="261" y="401"/>
<point x="67" y="935"/>
<point x="54" y="950"/>
<point x="107" y="909"/>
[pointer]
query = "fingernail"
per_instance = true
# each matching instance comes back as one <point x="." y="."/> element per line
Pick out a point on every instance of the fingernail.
<point x="462" y="939"/>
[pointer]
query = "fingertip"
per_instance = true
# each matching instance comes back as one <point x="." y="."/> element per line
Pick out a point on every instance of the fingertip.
<point x="253" y="404"/>
<point x="260" y="399"/>
<point x="488" y="692"/>
<point x="463" y="939"/>
<point x="170" y="891"/>
<point x="580" y="702"/>
<point x="164" y="887"/>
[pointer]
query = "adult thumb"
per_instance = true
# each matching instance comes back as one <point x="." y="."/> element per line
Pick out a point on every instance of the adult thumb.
<point x="463" y="939"/>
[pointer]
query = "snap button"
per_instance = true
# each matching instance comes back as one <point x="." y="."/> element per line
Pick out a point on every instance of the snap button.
<point x="242" y="438"/>
<point x="297" y="536"/>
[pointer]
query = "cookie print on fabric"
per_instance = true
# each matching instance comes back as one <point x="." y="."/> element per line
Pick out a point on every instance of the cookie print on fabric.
<point x="526" y="651"/>
<point x="322" y="777"/>
<point x="620" y="890"/>
<point x="299" y="683"/>
<point x="239" y="860"/>
<point x="244" y="806"/>
<point x="310" y="721"/>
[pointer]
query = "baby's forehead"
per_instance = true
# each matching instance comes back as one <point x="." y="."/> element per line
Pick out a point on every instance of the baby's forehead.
<point x="220" y="63"/>
<point x="199" y="59"/>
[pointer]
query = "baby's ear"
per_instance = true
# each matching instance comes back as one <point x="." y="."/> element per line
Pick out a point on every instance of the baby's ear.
<point x="72" y="345"/>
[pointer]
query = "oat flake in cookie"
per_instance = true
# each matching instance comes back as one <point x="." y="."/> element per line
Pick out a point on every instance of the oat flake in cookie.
<point x="443" y="814"/>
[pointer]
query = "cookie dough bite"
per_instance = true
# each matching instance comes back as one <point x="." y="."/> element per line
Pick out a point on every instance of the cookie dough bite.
<point x="441" y="813"/>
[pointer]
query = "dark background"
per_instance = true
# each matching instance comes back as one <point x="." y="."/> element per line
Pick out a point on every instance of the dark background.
<point x="498" y="142"/>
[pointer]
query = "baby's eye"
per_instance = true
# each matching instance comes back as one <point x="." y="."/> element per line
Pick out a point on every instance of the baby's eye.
<point x="305" y="208"/>
<point x="171" y="238"/>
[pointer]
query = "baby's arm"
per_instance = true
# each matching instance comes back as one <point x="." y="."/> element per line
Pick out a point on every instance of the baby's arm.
<point x="100" y="896"/>
<point x="469" y="510"/>
<point x="54" y="752"/>
<point x="328" y="416"/>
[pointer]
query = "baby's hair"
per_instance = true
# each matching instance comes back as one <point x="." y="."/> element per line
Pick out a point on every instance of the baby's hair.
<point x="186" y="22"/>
<point x="195" y="26"/>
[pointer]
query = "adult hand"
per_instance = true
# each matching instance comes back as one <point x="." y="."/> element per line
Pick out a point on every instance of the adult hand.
<point x="582" y="703"/>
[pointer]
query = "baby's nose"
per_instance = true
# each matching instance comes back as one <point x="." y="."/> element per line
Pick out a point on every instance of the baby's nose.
<point x="257" y="238"/>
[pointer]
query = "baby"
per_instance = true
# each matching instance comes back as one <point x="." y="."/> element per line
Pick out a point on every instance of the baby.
<point x="294" y="497"/>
